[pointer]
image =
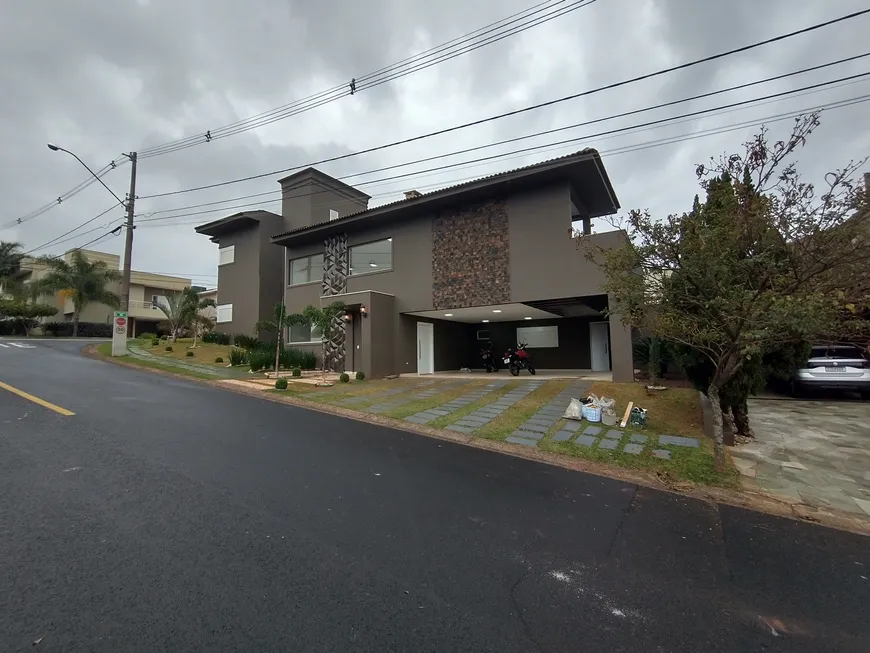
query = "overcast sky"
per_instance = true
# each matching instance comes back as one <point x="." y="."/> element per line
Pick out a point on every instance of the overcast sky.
<point x="101" y="78"/>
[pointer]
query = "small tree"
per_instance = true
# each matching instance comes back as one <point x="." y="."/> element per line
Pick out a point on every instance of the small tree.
<point x="80" y="279"/>
<point x="175" y="309"/>
<point x="280" y="320"/>
<point x="25" y="313"/>
<point x="192" y="316"/>
<point x="765" y="260"/>
<point x="325" y="319"/>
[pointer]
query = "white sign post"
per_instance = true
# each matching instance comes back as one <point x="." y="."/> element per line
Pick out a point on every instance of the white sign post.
<point x="119" y="334"/>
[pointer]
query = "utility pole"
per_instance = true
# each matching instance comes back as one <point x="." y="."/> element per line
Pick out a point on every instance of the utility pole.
<point x="128" y="242"/>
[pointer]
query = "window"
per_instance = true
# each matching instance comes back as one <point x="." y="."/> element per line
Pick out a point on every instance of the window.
<point x="226" y="255"/>
<point x="306" y="269"/>
<point x="225" y="313"/>
<point x="372" y="257"/>
<point x="158" y="300"/>
<point x="333" y="214"/>
<point x="304" y="333"/>
<point x="539" y="336"/>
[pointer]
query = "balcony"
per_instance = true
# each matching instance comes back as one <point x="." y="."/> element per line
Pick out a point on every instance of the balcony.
<point x="145" y="310"/>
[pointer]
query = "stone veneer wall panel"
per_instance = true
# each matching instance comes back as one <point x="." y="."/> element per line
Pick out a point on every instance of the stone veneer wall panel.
<point x="470" y="256"/>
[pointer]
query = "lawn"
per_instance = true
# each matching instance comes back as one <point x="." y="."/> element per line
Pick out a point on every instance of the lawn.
<point x="203" y="353"/>
<point x="105" y="349"/>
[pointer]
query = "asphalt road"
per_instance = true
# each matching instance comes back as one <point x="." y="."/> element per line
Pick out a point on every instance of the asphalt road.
<point x="166" y="515"/>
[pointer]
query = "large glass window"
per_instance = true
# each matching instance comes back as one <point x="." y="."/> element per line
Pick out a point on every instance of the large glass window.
<point x="372" y="257"/>
<point x="306" y="269"/>
<point x="304" y="333"/>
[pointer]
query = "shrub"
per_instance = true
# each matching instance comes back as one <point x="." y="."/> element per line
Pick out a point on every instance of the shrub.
<point x="218" y="359"/>
<point x="360" y="376"/>
<point x="261" y="358"/>
<point x="215" y="338"/>
<point x="238" y="356"/>
<point x="155" y="342"/>
<point x="86" y="329"/>
<point x="344" y="378"/>
<point x="297" y="372"/>
<point x="147" y="336"/>
<point x="245" y="342"/>
<point x="189" y="354"/>
<point x="168" y="347"/>
<point x="164" y="338"/>
<point x="49" y="327"/>
<point x="281" y="384"/>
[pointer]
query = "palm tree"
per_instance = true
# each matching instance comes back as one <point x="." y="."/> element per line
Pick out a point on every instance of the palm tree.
<point x="175" y="310"/>
<point x="322" y="318"/>
<point x="10" y="260"/>
<point x="82" y="280"/>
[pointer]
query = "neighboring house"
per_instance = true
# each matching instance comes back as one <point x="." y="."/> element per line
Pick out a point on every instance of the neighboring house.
<point x="431" y="279"/>
<point x="147" y="290"/>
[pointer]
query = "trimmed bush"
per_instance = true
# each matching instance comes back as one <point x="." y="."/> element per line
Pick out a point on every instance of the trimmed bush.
<point x="291" y="358"/>
<point x="238" y="356"/>
<point x="297" y="372"/>
<point x="360" y="376"/>
<point x="164" y="338"/>
<point x="65" y="329"/>
<point x="245" y="342"/>
<point x="281" y="384"/>
<point x="155" y="342"/>
<point x="147" y="336"/>
<point x="189" y="354"/>
<point x="215" y="338"/>
<point x="344" y="378"/>
<point x="261" y="359"/>
<point x="168" y="347"/>
<point x="218" y="359"/>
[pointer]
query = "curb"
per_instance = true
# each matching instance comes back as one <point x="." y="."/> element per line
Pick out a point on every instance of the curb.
<point x="750" y="500"/>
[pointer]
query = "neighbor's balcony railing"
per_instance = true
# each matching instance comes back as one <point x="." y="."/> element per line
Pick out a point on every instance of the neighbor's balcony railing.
<point x="145" y="309"/>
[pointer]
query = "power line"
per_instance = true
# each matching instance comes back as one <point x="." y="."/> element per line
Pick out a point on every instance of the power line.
<point x="367" y="80"/>
<point x="78" y="188"/>
<point x="531" y="107"/>
<point x="612" y="152"/>
<point x="96" y="217"/>
<point x="660" y="121"/>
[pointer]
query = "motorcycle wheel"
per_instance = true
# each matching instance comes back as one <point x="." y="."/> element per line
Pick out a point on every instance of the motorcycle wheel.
<point x="531" y="370"/>
<point x="515" y="371"/>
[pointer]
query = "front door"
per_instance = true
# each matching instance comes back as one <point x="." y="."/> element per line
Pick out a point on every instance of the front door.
<point x="425" y="348"/>
<point x="599" y="345"/>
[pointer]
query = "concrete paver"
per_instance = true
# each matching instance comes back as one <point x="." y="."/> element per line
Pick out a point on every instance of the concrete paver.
<point x="815" y="452"/>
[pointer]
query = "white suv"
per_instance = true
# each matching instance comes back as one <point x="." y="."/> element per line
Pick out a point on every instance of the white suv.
<point x="835" y="367"/>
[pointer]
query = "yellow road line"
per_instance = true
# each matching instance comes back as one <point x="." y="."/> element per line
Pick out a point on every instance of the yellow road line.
<point x="36" y="400"/>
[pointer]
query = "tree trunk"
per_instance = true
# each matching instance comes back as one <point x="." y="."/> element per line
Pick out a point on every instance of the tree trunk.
<point x="75" y="323"/>
<point x="718" y="433"/>
<point x="741" y="419"/>
<point x="278" y="354"/>
<point x="195" y="334"/>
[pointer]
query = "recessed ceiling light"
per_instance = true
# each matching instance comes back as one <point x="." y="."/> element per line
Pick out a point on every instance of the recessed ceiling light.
<point x="496" y="310"/>
<point x="486" y="320"/>
<point x="448" y="315"/>
<point x="528" y="318"/>
<point x="373" y="265"/>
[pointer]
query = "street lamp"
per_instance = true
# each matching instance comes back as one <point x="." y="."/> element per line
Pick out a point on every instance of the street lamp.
<point x="55" y="148"/>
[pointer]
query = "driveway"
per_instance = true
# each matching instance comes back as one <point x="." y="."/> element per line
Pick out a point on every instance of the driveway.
<point x="814" y="452"/>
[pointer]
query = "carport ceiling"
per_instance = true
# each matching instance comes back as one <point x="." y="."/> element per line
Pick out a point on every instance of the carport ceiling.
<point x="498" y="313"/>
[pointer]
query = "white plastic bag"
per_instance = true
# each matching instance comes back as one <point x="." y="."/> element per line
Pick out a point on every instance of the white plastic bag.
<point x="607" y="405"/>
<point x="574" y="410"/>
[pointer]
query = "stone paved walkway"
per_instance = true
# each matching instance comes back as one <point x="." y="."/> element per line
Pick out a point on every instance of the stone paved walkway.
<point x="138" y="352"/>
<point x="814" y="452"/>
<point x="534" y="429"/>
<point x="485" y="414"/>
<point x="380" y="394"/>
<point x="419" y="396"/>
<point x="431" y="414"/>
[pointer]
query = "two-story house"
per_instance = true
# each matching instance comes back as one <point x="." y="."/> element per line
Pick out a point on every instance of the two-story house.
<point x="147" y="290"/>
<point x="432" y="279"/>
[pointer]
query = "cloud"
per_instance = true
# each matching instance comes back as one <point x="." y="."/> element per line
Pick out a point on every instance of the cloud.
<point x="105" y="78"/>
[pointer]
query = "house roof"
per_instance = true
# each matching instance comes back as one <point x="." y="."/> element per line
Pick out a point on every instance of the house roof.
<point x="233" y="223"/>
<point x="299" y="178"/>
<point x="583" y="169"/>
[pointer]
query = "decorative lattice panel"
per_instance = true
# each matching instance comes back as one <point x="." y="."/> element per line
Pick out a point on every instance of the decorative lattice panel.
<point x="335" y="270"/>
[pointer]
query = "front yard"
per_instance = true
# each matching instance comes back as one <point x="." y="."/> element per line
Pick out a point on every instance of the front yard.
<point x="518" y="411"/>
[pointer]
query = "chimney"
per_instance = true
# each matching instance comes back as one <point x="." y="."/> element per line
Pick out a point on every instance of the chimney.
<point x="412" y="194"/>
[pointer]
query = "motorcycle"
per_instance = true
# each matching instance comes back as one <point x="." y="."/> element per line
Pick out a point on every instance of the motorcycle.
<point x="490" y="364"/>
<point x="518" y="359"/>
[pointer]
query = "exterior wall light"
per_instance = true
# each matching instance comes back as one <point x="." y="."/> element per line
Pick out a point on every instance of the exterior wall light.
<point x="363" y="311"/>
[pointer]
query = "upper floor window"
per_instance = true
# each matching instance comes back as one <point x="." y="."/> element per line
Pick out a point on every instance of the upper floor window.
<point x="306" y="269"/>
<point x="224" y="313"/>
<point x="372" y="257"/>
<point x="226" y="255"/>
